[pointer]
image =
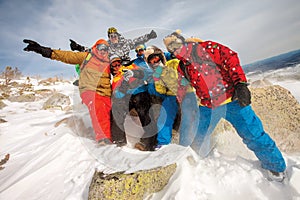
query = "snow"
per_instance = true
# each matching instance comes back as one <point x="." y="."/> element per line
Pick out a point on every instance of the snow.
<point x="57" y="162"/>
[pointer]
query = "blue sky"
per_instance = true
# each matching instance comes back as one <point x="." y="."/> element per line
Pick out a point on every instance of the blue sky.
<point x="256" y="29"/>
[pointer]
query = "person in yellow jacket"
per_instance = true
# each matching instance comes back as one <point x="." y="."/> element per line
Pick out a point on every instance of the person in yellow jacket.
<point x="94" y="82"/>
<point x="166" y="86"/>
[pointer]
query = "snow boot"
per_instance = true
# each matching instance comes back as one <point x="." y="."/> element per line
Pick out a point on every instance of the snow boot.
<point x="140" y="146"/>
<point x="157" y="147"/>
<point x="120" y="143"/>
<point x="103" y="142"/>
<point x="276" y="176"/>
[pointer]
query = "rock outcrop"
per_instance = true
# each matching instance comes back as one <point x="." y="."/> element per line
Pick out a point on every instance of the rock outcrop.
<point x="58" y="100"/>
<point x="2" y="104"/>
<point x="279" y="112"/>
<point x="134" y="186"/>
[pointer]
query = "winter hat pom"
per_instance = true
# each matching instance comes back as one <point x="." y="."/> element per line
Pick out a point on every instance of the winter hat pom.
<point x="177" y="34"/>
<point x="178" y="31"/>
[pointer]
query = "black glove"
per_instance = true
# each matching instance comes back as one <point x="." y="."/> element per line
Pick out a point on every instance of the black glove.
<point x="152" y="35"/>
<point x="76" y="83"/>
<point x="242" y="94"/>
<point x="124" y="87"/>
<point x="37" y="48"/>
<point x="126" y="62"/>
<point x="76" y="47"/>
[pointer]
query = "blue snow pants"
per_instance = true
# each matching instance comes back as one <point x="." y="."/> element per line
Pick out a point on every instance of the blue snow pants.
<point x="248" y="127"/>
<point x="166" y="120"/>
<point x="189" y="119"/>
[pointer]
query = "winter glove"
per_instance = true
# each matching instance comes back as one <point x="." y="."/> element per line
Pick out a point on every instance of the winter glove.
<point x="127" y="74"/>
<point x="126" y="62"/>
<point x="132" y="73"/>
<point x="242" y="94"/>
<point x="37" y="48"/>
<point x="76" y="47"/>
<point x="152" y="35"/>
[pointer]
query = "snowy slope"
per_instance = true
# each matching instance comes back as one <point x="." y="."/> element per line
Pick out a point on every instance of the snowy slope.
<point x="48" y="162"/>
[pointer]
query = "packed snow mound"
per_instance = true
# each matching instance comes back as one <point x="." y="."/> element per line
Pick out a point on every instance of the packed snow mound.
<point x="49" y="158"/>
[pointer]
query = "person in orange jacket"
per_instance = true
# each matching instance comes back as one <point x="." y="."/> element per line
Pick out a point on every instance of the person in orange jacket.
<point x="94" y="81"/>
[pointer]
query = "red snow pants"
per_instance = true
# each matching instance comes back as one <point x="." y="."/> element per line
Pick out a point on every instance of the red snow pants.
<point x="99" y="108"/>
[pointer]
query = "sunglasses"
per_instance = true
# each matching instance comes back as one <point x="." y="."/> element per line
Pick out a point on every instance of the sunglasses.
<point x="138" y="50"/>
<point x="113" y="35"/>
<point x="155" y="59"/>
<point x="102" y="47"/>
<point x="116" y="64"/>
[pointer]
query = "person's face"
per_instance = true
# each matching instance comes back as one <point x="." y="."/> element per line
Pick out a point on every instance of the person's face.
<point x="115" y="66"/>
<point x="114" y="38"/>
<point x="102" y="50"/>
<point x="154" y="61"/>
<point x="177" y="51"/>
<point x="141" y="52"/>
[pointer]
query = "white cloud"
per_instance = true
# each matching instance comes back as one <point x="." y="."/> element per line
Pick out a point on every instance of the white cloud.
<point x="255" y="29"/>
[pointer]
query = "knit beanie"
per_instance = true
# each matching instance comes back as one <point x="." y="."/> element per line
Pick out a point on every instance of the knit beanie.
<point x="174" y="41"/>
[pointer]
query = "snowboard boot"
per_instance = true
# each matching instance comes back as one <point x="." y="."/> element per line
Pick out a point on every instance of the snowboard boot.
<point x="140" y="146"/>
<point x="157" y="147"/>
<point x="120" y="143"/>
<point x="277" y="176"/>
<point x="103" y="142"/>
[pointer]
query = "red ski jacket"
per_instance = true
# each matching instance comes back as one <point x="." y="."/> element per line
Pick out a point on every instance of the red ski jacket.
<point x="212" y="69"/>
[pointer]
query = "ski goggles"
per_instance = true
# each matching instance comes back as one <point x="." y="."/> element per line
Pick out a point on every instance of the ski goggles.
<point x="113" y="35"/>
<point x="102" y="47"/>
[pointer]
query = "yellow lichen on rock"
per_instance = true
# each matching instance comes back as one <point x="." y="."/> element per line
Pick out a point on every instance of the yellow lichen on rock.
<point x="132" y="186"/>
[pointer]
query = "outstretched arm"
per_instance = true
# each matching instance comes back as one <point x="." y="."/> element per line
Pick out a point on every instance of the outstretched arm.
<point x="68" y="57"/>
<point x="142" y="39"/>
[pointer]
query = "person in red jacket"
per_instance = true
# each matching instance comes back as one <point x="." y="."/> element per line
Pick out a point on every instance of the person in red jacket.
<point x="215" y="72"/>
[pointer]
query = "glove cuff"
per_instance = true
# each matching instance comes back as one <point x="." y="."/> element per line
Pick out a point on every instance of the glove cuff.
<point x="239" y="84"/>
<point x="46" y="52"/>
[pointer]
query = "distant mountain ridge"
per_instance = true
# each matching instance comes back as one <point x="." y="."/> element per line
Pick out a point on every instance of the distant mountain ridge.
<point x="276" y="62"/>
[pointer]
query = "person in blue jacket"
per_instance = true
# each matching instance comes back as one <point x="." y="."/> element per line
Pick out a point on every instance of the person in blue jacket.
<point x="130" y="92"/>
